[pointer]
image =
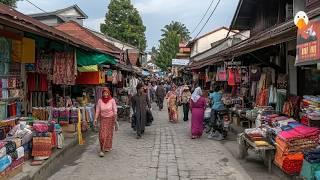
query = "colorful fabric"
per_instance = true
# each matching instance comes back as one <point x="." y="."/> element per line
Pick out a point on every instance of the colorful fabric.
<point x="64" y="68"/>
<point x="5" y="162"/>
<point x="16" y="163"/>
<point x="197" y="110"/>
<point x="41" y="146"/>
<point x="292" y="163"/>
<point x="106" y="133"/>
<point x="10" y="147"/>
<point x="40" y="127"/>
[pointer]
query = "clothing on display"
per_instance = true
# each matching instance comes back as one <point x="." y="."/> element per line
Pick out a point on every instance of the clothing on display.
<point x="44" y="63"/>
<point x="64" y="68"/>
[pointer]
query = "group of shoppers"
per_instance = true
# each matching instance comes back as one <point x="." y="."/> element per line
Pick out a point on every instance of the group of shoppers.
<point x="106" y="109"/>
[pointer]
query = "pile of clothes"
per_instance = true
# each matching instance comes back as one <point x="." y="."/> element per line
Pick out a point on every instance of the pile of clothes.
<point x="257" y="135"/>
<point x="46" y="136"/>
<point x="291" y="142"/>
<point x="311" y="164"/>
<point x="311" y="110"/>
<point x="14" y="147"/>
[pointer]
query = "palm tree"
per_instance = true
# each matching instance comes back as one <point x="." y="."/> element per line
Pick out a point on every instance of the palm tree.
<point x="179" y="28"/>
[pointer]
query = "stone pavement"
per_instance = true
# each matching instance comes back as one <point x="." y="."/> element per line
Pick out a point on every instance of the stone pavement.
<point x="165" y="152"/>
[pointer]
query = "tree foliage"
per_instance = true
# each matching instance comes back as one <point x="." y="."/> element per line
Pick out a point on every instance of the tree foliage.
<point x="123" y="22"/>
<point x="169" y="47"/>
<point x="11" y="3"/>
<point x="173" y="34"/>
<point x="179" y="28"/>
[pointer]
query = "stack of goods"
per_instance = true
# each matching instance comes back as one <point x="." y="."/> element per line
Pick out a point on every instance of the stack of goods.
<point x="291" y="142"/>
<point x="41" y="142"/>
<point x="61" y="115"/>
<point x="12" y="151"/>
<point x="311" y="164"/>
<point x="41" y="113"/>
<point x="311" y="110"/>
<point x="257" y="135"/>
<point x="24" y="133"/>
<point x="263" y="111"/>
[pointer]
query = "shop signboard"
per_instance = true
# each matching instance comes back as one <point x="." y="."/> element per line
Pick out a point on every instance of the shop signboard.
<point x="308" y="44"/>
<point x="180" y="62"/>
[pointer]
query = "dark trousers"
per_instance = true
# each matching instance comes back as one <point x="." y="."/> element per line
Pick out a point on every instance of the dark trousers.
<point x="185" y="111"/>
<point x="160" y="103"/>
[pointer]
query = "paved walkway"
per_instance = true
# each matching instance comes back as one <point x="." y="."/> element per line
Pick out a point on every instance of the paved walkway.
<point x="165" y="152"/>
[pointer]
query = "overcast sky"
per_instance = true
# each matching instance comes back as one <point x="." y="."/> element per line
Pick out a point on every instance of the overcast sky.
<point x="155" y="13"/>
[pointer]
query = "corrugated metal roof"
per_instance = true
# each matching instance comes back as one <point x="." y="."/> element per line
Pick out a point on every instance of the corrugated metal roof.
<point x="12" y="18"/>
<point x="79" y="32"/>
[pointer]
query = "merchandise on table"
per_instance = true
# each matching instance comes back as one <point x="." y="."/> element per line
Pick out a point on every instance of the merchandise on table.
<point x="290" y="144"/>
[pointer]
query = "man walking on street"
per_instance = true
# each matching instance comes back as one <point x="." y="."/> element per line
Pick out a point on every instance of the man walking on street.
<point x="140" y="105"/>
<point x="160" y="93"/>
<point x="185" y="99"/>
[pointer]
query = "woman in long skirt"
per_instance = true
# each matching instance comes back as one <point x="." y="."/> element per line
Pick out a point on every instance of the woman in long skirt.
<point x="107" y="111"/>
<point x="172" y="105"/>
<point x="198" y="106"/>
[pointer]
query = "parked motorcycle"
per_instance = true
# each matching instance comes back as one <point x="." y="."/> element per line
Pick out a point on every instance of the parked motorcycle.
<point x="218" y="129"/>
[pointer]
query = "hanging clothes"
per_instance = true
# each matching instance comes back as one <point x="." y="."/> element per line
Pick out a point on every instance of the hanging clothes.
<point x="255" y="74"/>
<point x="63" y="68"/>
<point x="231" y="77"/>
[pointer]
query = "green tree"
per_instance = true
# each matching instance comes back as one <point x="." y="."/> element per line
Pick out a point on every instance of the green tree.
<point x="179" y="28"/>
<point x="123" y="22"/>
<point x="11" y="3"/>
<point x="169" y="47"/>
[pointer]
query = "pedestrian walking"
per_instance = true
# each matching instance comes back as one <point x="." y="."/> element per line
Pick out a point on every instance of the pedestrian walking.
<point x="160" y="94"/>
<point x="172" y="105"/>
<point x="106" y="109"/>
<point x="185" y="99"/>
<point x="140" y="105"/>
<point x="198" y="106"/>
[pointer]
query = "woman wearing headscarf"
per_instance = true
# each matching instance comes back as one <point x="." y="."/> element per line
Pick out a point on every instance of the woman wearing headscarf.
<point x="106" y="109"/>
<point x="197" y="106"/>
<point x="172" y="105"/>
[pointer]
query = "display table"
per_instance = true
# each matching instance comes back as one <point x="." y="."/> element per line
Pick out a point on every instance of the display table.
<point x="267" y="152"/>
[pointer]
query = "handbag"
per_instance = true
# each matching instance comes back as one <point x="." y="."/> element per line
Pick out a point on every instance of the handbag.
<point x="149" y="118"/>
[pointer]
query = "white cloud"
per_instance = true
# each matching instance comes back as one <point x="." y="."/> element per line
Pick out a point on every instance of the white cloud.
<point x="94" y="24"/>
<point x="166" y="7"/>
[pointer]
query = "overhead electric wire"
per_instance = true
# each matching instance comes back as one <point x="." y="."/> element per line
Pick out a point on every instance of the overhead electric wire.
<point x="204" y="15"/>
<point x="208" y="19"/>
<point x="36" y="6"/>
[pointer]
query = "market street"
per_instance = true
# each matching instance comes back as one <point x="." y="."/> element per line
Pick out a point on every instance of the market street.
<point x="165" y="152"/>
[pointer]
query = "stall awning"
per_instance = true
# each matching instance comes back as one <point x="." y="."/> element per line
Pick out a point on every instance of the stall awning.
<point x="89" y="58"/>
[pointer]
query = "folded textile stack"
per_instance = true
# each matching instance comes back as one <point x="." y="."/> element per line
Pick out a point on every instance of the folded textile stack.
<point x="311" y="108"/>
<point x="311" y="164"/>
<point x="256" y="135"/>
<point x="291" y="142"/>
<point x="42" y="141"/>
<point x="41" y="113"/>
